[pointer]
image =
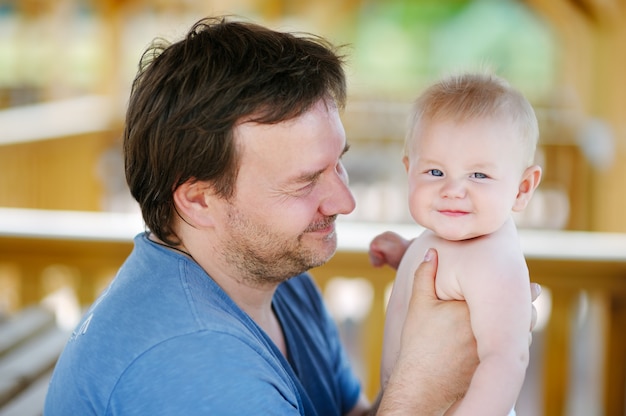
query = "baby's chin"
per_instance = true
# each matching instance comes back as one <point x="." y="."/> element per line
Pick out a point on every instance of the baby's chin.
<point x="457" y="235"/>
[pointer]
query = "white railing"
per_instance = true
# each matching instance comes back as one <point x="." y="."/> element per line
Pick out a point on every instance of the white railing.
<point x="42" y="253"/>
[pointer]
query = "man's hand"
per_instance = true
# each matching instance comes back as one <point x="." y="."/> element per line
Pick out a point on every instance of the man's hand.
<point x="535" y="291"/>
<point x="387" y="248"/>
<point x="437" y="351"/>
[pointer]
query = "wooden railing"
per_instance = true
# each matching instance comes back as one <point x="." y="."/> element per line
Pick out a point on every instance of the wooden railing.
<point x="42" y="251"/>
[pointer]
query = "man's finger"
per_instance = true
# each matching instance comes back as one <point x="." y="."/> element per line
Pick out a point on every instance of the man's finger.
<point x="535" y="290"/>
<point x="424" y="278"/>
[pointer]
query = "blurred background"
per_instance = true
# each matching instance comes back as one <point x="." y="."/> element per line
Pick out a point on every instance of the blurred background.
<point x="66" y="67"/>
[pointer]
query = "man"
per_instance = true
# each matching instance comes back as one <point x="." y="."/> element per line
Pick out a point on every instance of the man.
<point x="233" y="147"/>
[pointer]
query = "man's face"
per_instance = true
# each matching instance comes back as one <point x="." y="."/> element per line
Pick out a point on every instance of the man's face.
<point x="290" y="187"/>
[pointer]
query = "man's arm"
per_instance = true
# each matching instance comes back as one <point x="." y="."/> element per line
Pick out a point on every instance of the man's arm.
<point x="433" y="369"/>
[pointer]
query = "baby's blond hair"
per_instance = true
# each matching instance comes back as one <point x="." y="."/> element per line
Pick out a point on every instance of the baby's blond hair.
<point x="475" y="95"/>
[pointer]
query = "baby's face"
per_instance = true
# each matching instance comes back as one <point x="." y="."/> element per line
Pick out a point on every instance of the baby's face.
<point x="464" y="177"/>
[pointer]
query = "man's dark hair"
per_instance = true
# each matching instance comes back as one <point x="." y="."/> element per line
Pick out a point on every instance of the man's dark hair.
<point x="188" y="96"/>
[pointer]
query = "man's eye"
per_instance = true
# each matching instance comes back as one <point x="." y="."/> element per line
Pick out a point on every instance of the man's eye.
<point x="479" y="175"/>
<point x="305" y="190"/>
<point x="435" y="172"/>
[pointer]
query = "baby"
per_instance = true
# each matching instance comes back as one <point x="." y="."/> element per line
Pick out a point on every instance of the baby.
<point x="469" y="155"/>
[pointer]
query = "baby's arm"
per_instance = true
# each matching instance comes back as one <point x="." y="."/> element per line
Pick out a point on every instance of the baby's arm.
<point x="388" y="248"/>
<point x="494" y="281"/>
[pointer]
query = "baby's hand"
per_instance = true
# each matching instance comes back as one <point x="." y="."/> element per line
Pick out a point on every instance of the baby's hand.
<point x="387" y="248"/>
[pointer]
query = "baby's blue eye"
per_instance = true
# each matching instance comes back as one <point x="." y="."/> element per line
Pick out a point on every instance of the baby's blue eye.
<point x="479" y="175"/>
<point x="435" y="172"/>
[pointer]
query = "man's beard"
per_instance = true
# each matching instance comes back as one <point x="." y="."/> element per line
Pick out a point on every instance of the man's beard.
<point x="261" y="256"/>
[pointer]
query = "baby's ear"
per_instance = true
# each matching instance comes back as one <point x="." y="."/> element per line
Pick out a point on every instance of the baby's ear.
<point x="405" y="161"/>
<point x="193" y="200"/>
<point x="530" y="181"/>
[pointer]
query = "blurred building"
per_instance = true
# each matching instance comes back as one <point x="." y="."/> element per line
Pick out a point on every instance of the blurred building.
<point x="66" y="68"/>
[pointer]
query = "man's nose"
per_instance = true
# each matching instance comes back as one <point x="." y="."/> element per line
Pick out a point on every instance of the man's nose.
<point x="339" y="199"/>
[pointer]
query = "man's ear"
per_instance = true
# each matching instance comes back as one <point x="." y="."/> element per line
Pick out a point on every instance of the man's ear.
<point x="530" y="181"/>
<point x="193" y="200"/>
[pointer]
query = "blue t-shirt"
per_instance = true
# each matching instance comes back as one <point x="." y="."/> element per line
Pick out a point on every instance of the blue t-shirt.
<point x="165" y="339"/>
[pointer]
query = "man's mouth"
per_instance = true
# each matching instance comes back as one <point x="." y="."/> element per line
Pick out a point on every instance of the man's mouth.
<point x="327" y="225"/>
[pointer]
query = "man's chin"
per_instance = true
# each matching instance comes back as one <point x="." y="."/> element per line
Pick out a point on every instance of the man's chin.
<point x="327" y="253"/>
